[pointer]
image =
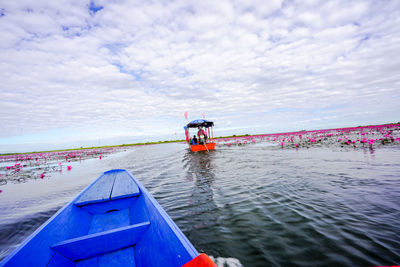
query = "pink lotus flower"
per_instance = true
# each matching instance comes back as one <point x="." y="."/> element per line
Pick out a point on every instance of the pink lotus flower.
<point x="69" y="168"/>
<point x="371" y="142"/>
<point x="42" y="175"/>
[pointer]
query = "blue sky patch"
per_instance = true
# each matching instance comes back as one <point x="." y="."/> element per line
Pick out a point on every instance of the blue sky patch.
<point x="362" y="40"/>
<point x="94" y="8"/>
<point x="115" y="48"/>
<point x="366" y="37"/>
<point x="136" y="74"/>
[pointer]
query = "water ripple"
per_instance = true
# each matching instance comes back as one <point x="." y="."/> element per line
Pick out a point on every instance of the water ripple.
<point x="254" y="205"/>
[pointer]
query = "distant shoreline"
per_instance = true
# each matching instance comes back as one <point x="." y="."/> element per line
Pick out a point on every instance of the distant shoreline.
<point x="123" y="145"/>
<point x="182" y="140"/>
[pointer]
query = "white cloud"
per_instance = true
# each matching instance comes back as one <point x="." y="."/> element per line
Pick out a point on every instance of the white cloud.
<point x="131" y="64"/>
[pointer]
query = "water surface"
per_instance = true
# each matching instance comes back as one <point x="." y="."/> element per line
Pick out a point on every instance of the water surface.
<point x="251" y="205"/>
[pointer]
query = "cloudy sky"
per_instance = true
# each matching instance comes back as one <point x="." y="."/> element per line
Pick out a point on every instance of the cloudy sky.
<point x="78" y="70"/>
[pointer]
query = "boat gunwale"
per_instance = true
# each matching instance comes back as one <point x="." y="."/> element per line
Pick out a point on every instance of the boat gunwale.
<point x="177" y="231"/>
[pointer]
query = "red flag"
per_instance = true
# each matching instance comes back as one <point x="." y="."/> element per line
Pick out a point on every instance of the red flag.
<point x="186" y="115"/>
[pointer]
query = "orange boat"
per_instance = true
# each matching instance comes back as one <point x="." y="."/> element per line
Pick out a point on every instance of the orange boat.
<point x="206" y="147"/>
<point x="203" y="140"/>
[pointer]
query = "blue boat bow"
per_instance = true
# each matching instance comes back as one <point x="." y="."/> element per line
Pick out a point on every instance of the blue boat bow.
<point x="114" y="222"/>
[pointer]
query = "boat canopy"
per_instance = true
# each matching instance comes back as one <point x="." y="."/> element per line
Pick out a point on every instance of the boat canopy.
<point x="199" y="123"/>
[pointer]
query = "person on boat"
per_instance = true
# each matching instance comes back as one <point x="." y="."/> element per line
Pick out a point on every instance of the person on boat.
<point x="194" y="140"/>
<point x="202" y="136"/>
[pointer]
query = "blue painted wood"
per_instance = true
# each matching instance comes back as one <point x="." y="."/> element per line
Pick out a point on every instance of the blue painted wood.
<point x="68" y="222"/>
<point x="100" y="243"/>
<point x="123" y="257"/>
<point x="98" y="192"/>
<point x="110" y="220"/>
<point x="172" y="249"/>
<point x="103" y="207"/>
<point x="97" y="233"/>
<point x="60" y="260"/>
<point x="167" y="240"/>
<point x="138" y="211"/>
<point x="91" y="262"/>
<point x="124" y="186"/>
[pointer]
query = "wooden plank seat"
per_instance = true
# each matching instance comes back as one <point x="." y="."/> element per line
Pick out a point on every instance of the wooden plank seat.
<point x="100" y="243"/>
<point x="114" y="184"/>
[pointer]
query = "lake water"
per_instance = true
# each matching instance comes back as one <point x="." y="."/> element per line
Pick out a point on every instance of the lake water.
<point x="249" y="205"/>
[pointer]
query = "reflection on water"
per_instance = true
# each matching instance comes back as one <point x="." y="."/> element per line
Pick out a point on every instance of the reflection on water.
<point x="200" y="171"/>
<point x="252" y="205"/>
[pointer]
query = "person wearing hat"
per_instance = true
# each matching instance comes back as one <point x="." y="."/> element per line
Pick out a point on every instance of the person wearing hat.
<point x="202" y="136"/>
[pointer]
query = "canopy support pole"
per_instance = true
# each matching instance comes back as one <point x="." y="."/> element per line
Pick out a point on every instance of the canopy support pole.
<point x="187" y="134"/>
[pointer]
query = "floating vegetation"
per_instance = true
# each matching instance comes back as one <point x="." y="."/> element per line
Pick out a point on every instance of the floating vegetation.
<point x="19" y="168"/>
<point x="362" y="136"/>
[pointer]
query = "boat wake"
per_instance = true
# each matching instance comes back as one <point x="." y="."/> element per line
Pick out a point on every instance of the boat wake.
<point x="226" y="262"/>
